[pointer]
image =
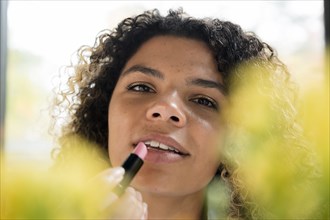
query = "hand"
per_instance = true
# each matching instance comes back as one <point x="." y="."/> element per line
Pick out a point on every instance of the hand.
<point x="128" y="206"/>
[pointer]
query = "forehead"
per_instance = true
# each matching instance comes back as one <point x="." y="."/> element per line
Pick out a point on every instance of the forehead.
<point x="179" y="54"/>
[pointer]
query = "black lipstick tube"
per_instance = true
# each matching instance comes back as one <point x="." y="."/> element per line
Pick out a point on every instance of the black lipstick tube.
<point x="131" y="165"/>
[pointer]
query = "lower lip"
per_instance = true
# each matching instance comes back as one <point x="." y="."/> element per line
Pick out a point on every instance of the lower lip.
<point x="160" y="156"/>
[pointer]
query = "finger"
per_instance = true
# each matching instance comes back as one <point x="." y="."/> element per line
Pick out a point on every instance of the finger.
<point x="135" y="201"/>
<point x="113" y="200"/>
<point x="134" y="193"/>
<point x="108" y="179"/>
<point x="113" y="176"/>
<point x="110" y="199"/>
<point x="99" y="189"/>
<point x="128" y="206"/>
<point x="145" y="211"/>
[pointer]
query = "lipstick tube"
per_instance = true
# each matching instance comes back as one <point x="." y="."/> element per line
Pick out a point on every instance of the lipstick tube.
<point x="131" y="165"/>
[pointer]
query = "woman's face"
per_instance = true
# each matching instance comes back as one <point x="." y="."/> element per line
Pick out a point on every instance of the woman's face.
<point x="169" y="95"/>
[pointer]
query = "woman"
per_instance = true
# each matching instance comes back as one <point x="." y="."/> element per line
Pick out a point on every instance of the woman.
<point x="162" y="80"/>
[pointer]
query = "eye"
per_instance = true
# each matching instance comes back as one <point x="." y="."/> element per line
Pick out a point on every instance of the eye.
<point x="140" y="87"/>
<point x="206" y="101"/>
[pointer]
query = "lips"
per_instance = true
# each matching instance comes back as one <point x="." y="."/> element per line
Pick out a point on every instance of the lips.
<point x="160" y="146"/>
<point x="163" y="143"/>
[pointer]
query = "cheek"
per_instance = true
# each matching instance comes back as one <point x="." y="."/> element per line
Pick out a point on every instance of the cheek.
<point x="116" y="124"/>
<point x="208" y="148"/>
<point x="209" y="160"/>
<point x="208" y="135"/>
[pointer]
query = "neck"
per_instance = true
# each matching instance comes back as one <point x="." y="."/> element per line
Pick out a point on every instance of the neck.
<point x="174" y="207"/>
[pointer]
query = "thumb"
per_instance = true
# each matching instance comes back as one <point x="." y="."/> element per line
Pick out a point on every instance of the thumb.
<point x="113" y="176"/>
<point x="108" y="178"/>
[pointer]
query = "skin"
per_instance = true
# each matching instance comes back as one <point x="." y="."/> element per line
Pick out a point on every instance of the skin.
<point x="158" y="94"/>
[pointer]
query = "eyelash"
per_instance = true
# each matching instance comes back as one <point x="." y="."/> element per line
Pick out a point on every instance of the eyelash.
<point x="210" y="103"/>
<point x="143" y="87"/>
<point x="201" y="100"/>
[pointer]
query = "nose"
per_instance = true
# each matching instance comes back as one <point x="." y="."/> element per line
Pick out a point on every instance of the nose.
<point x="168" y="112"/>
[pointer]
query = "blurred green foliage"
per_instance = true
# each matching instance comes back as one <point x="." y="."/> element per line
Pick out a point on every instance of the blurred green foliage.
<point x="280" y="156"/>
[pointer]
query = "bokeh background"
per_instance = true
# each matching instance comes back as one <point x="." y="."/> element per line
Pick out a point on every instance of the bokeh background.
<point x="40" y="38"/>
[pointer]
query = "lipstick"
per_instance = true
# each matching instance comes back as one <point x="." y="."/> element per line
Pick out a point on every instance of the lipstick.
<point x="132" y="165"/>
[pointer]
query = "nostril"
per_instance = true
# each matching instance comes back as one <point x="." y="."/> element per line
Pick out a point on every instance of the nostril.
<point x="174" y="118"/>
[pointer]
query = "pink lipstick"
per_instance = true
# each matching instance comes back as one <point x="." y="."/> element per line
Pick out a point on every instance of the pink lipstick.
<point x="132" y="165"/>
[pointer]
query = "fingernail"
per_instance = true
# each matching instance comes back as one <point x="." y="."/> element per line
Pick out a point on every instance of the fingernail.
<point x="117" y="171"/>
<point x="115" y="174"/>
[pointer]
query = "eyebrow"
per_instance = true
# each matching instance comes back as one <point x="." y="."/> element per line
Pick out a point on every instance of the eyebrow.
<point x="208" y="84"/>
<point x="144" y="70"/>
<point x="196" y="81"/>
